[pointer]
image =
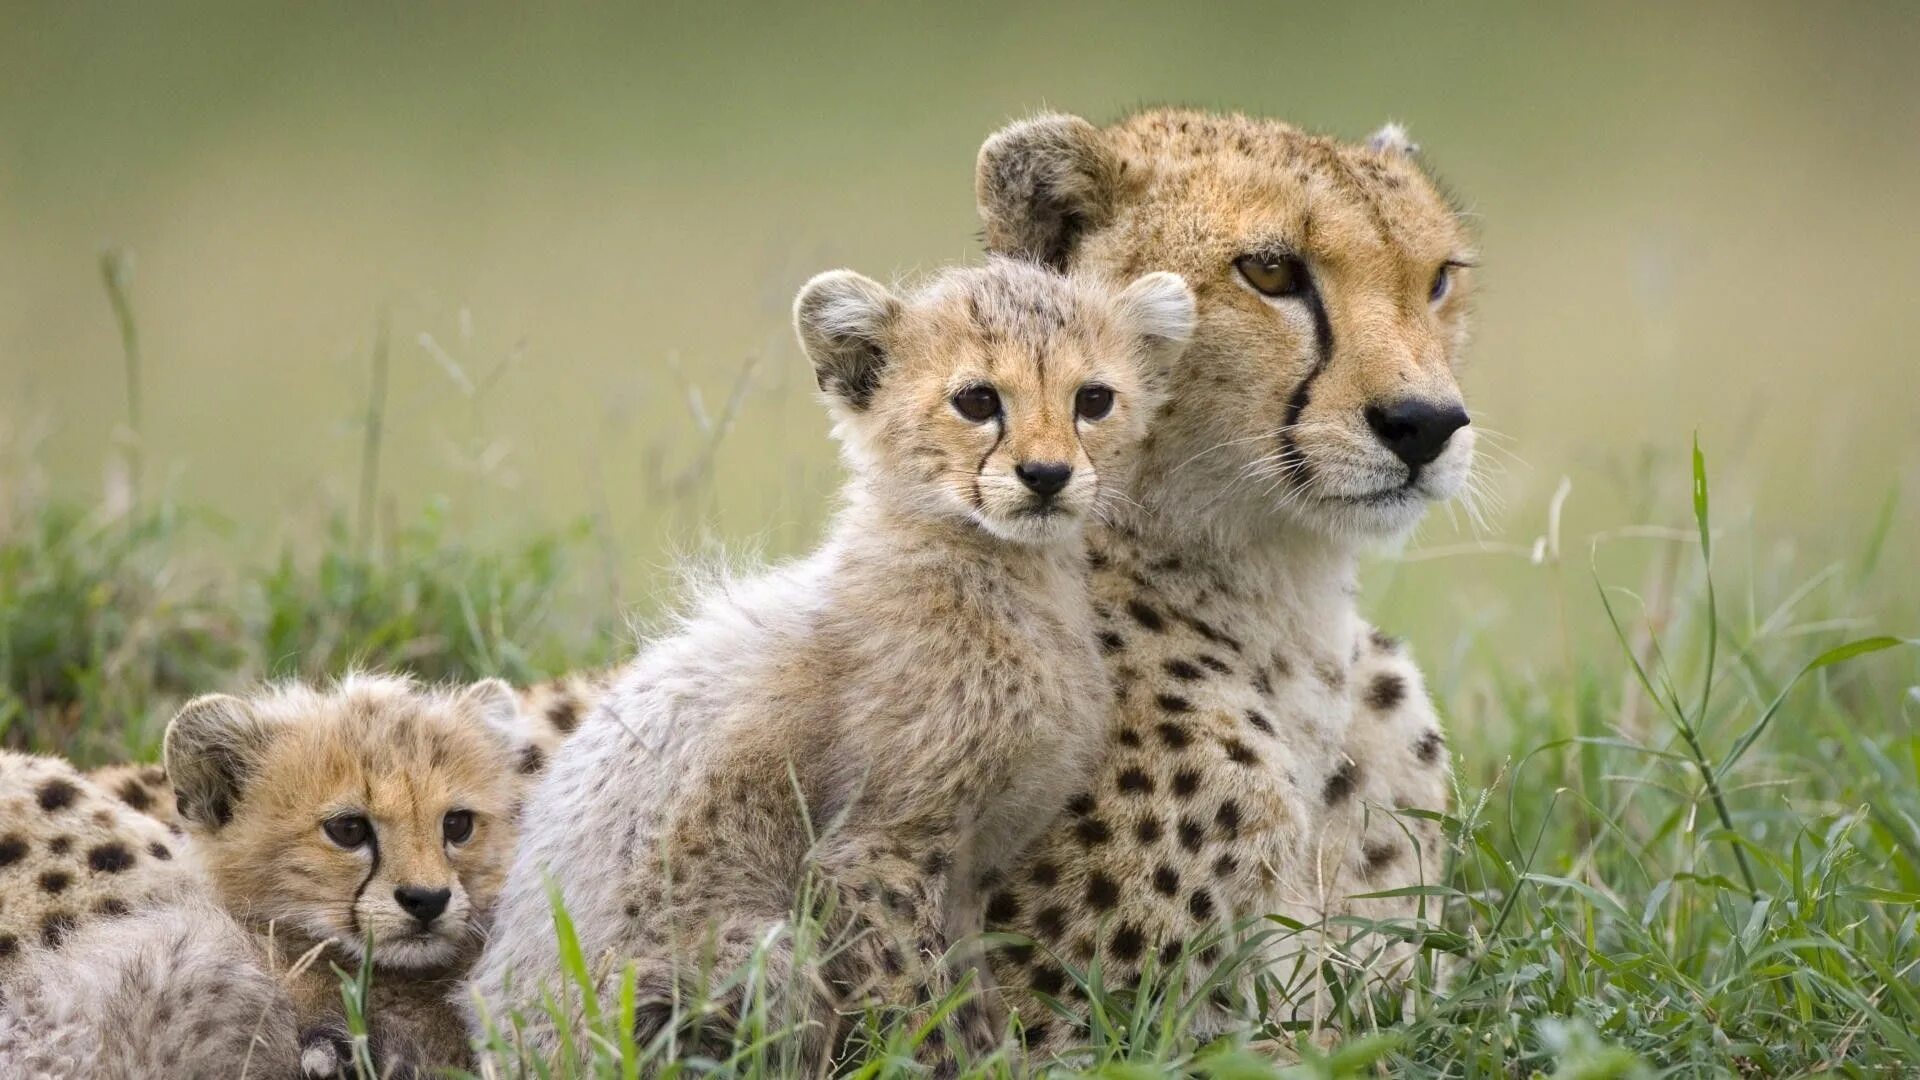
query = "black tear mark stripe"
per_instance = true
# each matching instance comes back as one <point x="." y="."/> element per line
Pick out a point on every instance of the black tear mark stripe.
<point x="1303" y="393"/>
<point x="373" y="846"/>
<point x="999" y="434"/>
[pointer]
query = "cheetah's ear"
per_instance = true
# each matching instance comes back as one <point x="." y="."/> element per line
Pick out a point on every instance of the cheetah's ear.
<point x="212" y="750"/>
<point x="844" y="321"/>
<point x="1160" y="308"/>
<point x="1392" y="139"/>
<point x="1041" y="183"/>
<point x="494" y="704"/>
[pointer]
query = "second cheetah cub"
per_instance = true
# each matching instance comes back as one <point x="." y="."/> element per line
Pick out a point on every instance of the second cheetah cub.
<point x="899" y="711"/>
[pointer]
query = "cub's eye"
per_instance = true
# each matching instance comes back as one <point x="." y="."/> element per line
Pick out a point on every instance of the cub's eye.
<point x="1093" y="401"/>
<point x="978" y="403"/>
<point x="458" y="826"/>
<point x="1270" y="275"/>
<point x="1442" y="284"/>
<point x="348" y="830"/>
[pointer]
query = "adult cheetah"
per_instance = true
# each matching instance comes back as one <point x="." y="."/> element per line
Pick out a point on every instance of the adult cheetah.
<point x="1264" y="742"/>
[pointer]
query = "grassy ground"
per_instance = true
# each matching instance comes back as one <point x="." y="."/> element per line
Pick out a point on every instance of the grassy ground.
<point x="1690" y="854"/>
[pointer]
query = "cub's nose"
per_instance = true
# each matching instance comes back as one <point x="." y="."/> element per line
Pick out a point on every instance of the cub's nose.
<point x="1044" y="478"/>
<point x="1415" y="430"/>
<point x="423" y="904"/>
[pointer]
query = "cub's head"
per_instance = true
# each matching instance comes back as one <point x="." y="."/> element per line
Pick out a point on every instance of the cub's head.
<point x="1332" y="281"/>
<point x="378" y="807"/>
<point x="1009" y="395"/>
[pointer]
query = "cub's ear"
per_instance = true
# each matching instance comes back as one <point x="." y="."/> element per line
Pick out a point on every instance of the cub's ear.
<point x="1160" y="308"/>
<point x="1041" y="183"/>
<point x="494" y="704"/>
<point x="212" y="750"/>
<point x="844" y="321"/>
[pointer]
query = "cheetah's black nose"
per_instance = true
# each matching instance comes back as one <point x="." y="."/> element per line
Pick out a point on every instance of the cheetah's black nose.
<point x="1415" y="430"/>
<point x="423" y="904"/>
<point x="1044" y="478"/>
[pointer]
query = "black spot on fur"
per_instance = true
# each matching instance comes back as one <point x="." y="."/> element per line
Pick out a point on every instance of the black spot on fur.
<point x="1036" y="1034"/>
<point x="1127" y="942"/>
<point x="1341" y="784"/>
<point x="1173" y="703"/>
<point x="1081" y="803"/>
<point x="1003" y="908"/>
<point x="1135" y="781"/>
<point x="1384" y="641"/>
<point x="1019" y="954"/>
<point x="1262" y="682"/>
<point x="1260" y="723"/>
<point x="110" y="907"/>
<point x="1048" y="979"/>
<point x="159" y="851"/>
<point x="1184" y="670"/>
<point x="531" y="760"/>
<point x="1147" y="830"/>
<point x="1173" y="735"/>
<point x="1379" y="855"/>
<point x="57" y="794"/>
<point x="55" y="882"/>
<point x="936" y="861"/>
<point x="1228" y="818"/>
<point x="110" y="858"/>
<point x="8" y="945"/>
<point x="563" y="713"/>
<point x="1427" y="749"/>
<point x="1102" y="893"/>
<point x="136" y="796"/>
<point x="1225" y="865"/>
<point x="1201" y="904"/>
<point x="633" y="911"/>
<point x="12" y="849"/>
<point x="1166" y="881"/>
<point x="1330" y="673"/>
<point x="1170" y="954"/>
<point x="1239" y="753"/>
<point x="1051" y="922"/>
<point x="1146" y="616"/>
<point x="1387" y="691"/>
<point x="1216" y="665"/>
<point x="1045" y="873"/>
<point x="1186" y="782"/>
<point x="60" y="845"/>
<point x="1208" y="630"/>
<point x="1192" y="834"/>
<point x="54" y="929"/>
<point x="1091" y="831"/>
<point x="1129" y="738"/>
<point x="1111" y="642"/>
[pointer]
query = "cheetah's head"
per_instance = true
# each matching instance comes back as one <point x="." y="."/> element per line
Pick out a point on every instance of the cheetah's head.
<point x="1333" y="282"/>
<point x="1008" y="396"/>
<point x="378" y="808"/>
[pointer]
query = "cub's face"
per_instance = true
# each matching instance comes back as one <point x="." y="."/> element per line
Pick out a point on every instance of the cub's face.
<point x="1332" y="284"/>
<point x="380" y="809"/>
<point x="1009" y="396"/>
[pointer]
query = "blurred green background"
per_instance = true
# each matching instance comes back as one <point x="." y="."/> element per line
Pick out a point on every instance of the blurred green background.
<point x="583" y="227"/>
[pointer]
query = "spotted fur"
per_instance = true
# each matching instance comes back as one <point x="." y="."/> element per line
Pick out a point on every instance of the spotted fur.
<point x="1264" y="745"/>
<point x="894" y="713"/>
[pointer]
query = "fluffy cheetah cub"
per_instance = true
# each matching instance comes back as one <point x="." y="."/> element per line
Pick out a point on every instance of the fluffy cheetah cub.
<point x="380" y="809"/>
<point x="317" y="819"/>
<point x="898" y="712"/>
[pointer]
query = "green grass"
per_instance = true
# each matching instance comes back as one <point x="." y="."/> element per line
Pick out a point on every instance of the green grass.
<point x="1693" y="853"/>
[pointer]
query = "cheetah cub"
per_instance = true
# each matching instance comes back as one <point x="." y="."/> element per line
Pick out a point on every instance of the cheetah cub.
<point x="898" y="712"/>
<point x="316" y="820"/>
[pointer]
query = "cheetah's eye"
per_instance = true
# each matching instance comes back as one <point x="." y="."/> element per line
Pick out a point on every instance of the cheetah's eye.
<point x="457" y="826"/>
<point x="1274" y="275"/>
<point x="1093" y="402"/>
<point x="1442" y="284"/>
<point x="978" y="403"/>
<point x="350" y="831"/>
